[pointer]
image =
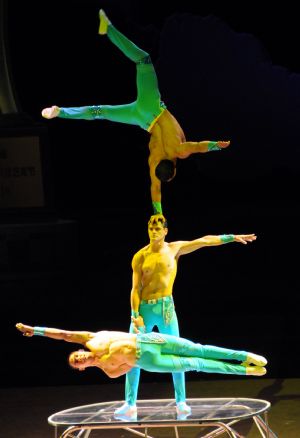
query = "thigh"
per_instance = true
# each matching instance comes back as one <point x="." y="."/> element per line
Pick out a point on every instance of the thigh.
<point x="170" y="328"/>
<point x="121" y="113"/>
<point x="148" y="95"/>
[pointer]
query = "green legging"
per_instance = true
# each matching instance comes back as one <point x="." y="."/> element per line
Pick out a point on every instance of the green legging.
<point x="147" y="107"/>
<point x="162" y="315"/>
<point x="162" y="353"/>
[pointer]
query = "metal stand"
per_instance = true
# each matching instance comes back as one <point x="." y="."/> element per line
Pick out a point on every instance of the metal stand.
<point x="221" y="414"/>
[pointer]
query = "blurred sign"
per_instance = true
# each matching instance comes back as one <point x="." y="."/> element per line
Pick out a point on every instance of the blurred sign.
<point x="21" y="183"/>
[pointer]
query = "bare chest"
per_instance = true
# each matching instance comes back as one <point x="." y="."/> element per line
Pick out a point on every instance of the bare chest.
<point x="162" y="263"/>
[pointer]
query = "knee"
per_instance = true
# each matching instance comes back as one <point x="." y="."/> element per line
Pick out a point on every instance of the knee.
<point x="145" y="60"/>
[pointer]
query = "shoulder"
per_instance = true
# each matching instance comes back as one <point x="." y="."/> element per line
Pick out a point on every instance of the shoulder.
<point x="138" y="256"/>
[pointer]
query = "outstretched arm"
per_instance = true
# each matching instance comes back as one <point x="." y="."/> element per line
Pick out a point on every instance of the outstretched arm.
<point x="193" y="245"/>
<point x="193" y="147"/>
<point x="63" y="335"/>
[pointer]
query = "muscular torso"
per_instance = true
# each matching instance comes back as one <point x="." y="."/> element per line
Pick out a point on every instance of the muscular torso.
<point x="115" y="351"/>
<point x="158" y="271"/>
<point x="166" y="137"/>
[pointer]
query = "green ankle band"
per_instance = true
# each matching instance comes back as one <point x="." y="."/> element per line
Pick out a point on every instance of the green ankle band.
<point x="213" y="146"/>
<point x="39" y="331"/>
<point x="227" y="238"/>
<point x="157" y="208"/>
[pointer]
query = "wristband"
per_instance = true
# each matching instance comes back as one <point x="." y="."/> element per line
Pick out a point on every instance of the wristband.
<point x="39" y="331"/>
<point x="134" y="314"/>
<point x="227" y="238"/>
<point x="142" y="329"/>
<point x="157" y="208"/>
<point x="213" y="146"/>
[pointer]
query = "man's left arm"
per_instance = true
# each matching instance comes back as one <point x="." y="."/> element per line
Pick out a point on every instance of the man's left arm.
<point x="193" y="245"/>
<point x="77" y="337"/>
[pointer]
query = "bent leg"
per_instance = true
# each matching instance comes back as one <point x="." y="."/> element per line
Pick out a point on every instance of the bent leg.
<point x="133" y="52"/>
<point x="148" y="95"/>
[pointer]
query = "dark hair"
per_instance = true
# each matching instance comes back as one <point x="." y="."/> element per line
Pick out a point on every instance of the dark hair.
<point x="156" y="218"/>
<point x="165" y="170"/>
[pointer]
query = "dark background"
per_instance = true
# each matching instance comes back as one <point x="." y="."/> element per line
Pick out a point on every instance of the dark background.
<point x="226" y="71"/>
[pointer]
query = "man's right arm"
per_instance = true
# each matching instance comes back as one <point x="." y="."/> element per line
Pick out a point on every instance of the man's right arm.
<point x="79" y="337"/>
<point x="135" y="295"/>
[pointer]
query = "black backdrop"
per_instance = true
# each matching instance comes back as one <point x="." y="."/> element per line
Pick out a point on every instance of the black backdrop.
<point x="226" y="72"/>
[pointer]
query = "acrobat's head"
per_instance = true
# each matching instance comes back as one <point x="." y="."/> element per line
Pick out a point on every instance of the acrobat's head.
<point x="81" y="359"/>
<point x="157" y="227"/>
<point x="165" y="171"/>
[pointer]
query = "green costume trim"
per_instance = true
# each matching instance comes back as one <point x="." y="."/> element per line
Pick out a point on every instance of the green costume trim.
<point x="213" y="146"/>
<point x="39" y="331"/>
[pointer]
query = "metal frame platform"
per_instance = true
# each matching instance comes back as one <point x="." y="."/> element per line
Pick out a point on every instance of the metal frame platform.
<point x="221" y="414"/>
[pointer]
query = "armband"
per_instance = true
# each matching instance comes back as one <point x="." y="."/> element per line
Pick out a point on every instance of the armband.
<point x="39" y="331"/>
<point x="227" y="238"/>
<point x="213" y="146"/>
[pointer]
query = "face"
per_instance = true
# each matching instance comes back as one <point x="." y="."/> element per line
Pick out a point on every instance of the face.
<point x="81" y="359"/>
<point x="156" y="230"/>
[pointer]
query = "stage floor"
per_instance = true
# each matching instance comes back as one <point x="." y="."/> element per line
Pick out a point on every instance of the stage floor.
<point x="24" y="411"/>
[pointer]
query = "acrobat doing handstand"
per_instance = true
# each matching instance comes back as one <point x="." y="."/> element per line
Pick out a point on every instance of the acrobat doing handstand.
<point x="167" y="140"/>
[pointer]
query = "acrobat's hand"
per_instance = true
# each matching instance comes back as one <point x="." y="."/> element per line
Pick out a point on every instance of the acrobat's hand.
<point x="244" y="238"/>
<point x="223" y="144"/>
<point x="50" y="113"/>
<point x="27" y="330"/>
<point x="138" y="324"/>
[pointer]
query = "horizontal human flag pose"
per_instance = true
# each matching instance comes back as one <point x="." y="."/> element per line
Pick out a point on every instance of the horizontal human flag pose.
<point x="167" y="139"/>
<point x="116" y="353"/>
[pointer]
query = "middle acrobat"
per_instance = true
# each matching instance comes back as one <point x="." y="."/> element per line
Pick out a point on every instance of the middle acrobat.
<point x="167" y="139"/>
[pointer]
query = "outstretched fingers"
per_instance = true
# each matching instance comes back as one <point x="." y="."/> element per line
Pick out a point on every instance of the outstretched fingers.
<point x="245" y="238"/>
